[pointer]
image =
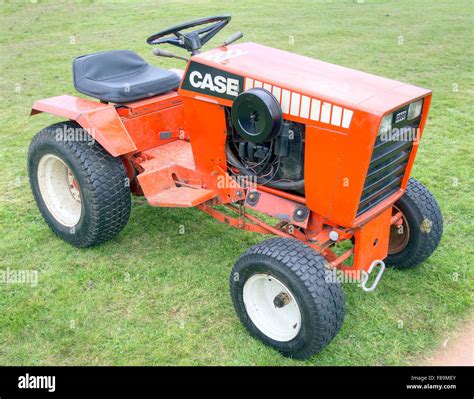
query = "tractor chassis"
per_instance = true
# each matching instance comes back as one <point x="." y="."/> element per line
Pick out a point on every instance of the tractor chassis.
<point x="169" y="171"/>
<point x="312" y="229"/>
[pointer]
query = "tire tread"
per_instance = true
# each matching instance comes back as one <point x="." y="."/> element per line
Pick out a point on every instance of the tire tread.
<point x="310" y="268"/>
<point x="420" y="199"/>
<point x="105" y="186"/>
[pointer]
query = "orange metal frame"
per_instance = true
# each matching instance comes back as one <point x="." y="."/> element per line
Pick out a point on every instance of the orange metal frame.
<point x="173" y="148"/>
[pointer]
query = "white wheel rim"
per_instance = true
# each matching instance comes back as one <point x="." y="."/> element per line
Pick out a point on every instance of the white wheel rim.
<point x="59" y="190"/>
<point x="278" y="323"/>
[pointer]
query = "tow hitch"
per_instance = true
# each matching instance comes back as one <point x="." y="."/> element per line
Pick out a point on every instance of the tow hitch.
<point x="366" y="275"/>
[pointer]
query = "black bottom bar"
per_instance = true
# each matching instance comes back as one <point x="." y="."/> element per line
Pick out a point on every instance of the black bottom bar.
<point x="366" y="381"/>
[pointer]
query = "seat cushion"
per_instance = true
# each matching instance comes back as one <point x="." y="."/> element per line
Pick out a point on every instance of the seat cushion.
<point x="120" y="76"/>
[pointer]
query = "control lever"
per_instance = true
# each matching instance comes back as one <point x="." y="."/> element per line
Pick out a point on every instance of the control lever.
<point x="163" y="53"/>
<point x="236" y="36"/>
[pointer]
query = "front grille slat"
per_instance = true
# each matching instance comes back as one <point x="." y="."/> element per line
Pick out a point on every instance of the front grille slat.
<point x="380" y="145"/>
<point x="376" y="201"/>
<point x="382" y="178"/>
<point x="369" y="196"/>
<point x="402" y="159"/>
<point x="387" y="167"/>
<point x="390" y="152"/>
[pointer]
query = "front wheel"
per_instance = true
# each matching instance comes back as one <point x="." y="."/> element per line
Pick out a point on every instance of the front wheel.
<point x="283" y="296"/>
<point x="417" y="237"/>
<point x="81" y="191"/>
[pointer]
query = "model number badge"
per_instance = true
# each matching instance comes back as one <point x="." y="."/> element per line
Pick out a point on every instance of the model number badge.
<point x="212" y="81"/>
<point x="401" y="116"/>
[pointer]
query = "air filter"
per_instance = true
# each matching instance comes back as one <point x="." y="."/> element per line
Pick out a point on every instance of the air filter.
<point x="256" y="115"/>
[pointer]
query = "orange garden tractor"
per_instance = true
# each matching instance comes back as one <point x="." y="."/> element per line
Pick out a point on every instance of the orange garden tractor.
<point x="246" y="131"/>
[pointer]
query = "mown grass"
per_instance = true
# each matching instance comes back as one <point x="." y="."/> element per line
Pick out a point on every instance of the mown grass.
<point x="155" y="296"/>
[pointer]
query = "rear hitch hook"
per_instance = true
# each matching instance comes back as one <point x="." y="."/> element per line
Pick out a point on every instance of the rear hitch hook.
<point x="366" y="274"/>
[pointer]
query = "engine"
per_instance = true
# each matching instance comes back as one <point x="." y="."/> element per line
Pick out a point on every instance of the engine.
<point x="262" y="145"/>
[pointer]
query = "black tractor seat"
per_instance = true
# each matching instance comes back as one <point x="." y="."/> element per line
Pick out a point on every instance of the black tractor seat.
<point x="120" y="76"/>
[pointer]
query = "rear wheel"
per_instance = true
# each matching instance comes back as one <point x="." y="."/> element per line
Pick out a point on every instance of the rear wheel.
<point x="282" y="295"/>
<point x="81" y="191"/>
<point x="417" y="237"/>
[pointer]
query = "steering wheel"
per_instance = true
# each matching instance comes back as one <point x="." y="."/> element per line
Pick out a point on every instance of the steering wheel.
<point x="194" y="40"/>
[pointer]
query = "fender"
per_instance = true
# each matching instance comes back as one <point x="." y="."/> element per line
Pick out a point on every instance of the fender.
<point x="100" y="120"/>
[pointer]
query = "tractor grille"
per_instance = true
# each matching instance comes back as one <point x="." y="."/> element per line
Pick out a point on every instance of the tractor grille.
<point x="388" y="164"/>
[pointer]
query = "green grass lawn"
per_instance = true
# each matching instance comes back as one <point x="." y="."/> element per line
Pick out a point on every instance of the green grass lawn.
<point x="154" y="296"/>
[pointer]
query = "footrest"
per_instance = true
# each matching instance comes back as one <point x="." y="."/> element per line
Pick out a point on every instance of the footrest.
<point x="182" y="197"/>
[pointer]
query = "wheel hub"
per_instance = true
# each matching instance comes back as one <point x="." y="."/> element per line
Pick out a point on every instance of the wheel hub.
<point x="399" y="234"/>
<point x="272" y="307"/>
<point x="73" y="186"/>
<point x="59" y="190"/>
<point x="282" y="299"/>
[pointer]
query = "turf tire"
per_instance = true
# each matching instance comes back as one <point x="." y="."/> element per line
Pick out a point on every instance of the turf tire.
<point x="303" y="271"/>
<point x="425" y="223"/>
<point x="102" y="180"/>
